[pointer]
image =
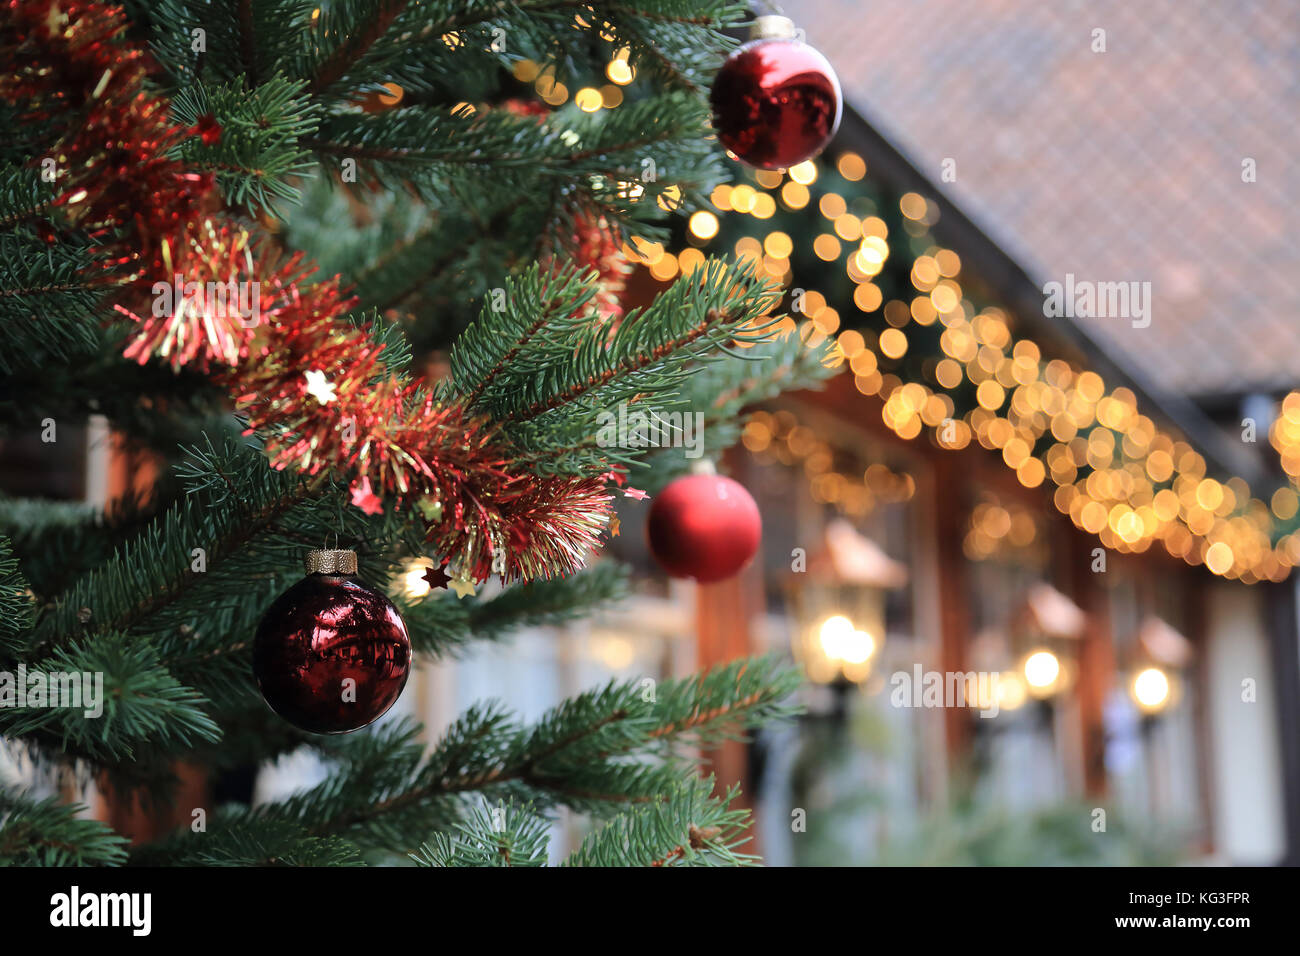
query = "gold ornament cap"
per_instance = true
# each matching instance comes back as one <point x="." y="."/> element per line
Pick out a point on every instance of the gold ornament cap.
<point x="331" y="562"/>
<point x="772" y="27"/>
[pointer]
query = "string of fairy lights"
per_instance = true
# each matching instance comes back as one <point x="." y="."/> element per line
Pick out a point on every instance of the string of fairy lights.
<point x="1285" y="437"/>
<point x="779" y="436"/>
<point x="1117" y="474"/>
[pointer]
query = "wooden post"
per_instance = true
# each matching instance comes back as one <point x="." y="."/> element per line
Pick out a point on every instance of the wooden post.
<point x="1285" y="646"/>
<point x="723" y="615"/>
<point x="1096" y="662"/>
<point x="954" y="591"/>
<point x="722" y="634"/>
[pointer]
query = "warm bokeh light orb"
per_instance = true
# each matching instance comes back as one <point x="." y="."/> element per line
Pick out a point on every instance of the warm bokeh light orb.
<point x="1151" y="689"/>
<point x="1011" y="692"/>
<point x="1041" y="669"/>
<point x="835" y="636"/>
<point x="857" y="648"/>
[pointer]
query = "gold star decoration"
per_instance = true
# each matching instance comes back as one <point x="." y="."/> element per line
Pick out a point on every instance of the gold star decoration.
<point x="463" y="587"/>
<point x="430" y="508"/>
<point x="613" y="527"/>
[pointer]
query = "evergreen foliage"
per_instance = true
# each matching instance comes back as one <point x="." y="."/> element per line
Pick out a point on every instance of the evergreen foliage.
<point x="162" y="591"/>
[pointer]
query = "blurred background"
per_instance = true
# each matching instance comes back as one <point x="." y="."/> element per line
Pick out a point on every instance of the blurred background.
<point x="1037" y="568"/>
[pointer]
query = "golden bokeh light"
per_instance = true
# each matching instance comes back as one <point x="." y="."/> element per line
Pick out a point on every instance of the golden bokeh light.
<point x="703" y="224"/>
<point x="588" y="99"/>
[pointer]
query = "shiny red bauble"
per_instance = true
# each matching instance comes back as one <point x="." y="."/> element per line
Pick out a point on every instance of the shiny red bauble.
<point x="705" y="527"/>
<point x="331" y="654"/>
<point x="776" y="100"/>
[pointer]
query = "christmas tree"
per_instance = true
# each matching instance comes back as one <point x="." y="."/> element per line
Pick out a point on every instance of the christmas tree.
<point x="358" y="289"/>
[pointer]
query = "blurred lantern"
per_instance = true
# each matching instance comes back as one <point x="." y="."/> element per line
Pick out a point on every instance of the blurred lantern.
<point x="990" y="654"/>
<point x="839" y="605"/>
<point x="1042" y="672"/>
<point x="1161" y="643"/>
<point x="1161" y="653"/>
<point x="1045" y="631"/>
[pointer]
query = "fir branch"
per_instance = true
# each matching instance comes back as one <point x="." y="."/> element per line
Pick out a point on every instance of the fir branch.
<point x="24" y="195"/>
<point x="720" y="391"/>
<point x="258" y="153"/>
<point x="552" y="397"/>
<point x="146" y="403"/>
<point x="502" y="836"/>
<point x="588" y="753"/>
<point x="446" y="626"/>
<point x="253" y="523"/>
<point x="532" y="303"/>
<point x="140" y="706"/>
<point x="48" y="833"/>
<point x="243" y="39"/>
<point x="688" y="828"/>
<point x="592" y="161"/>
<point x="580" y="737"/>
<point x="49" y="297"/>
<point x="549" y="602"/>
<point x="354" y="42"/>
<point x="112" y="594"/>
<point x="676" y="41"/>
<point x="61" y="540"/>
<point x="16" y="611"/>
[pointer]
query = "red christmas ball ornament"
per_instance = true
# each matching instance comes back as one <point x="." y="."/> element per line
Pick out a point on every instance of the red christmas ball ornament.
<point x="331" y="654"/>
<point x="705" y="527"/>
<point x="776" y="101"/>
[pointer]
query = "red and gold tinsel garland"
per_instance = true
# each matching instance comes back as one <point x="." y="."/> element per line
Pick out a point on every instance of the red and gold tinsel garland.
<point x="310" y="382"/>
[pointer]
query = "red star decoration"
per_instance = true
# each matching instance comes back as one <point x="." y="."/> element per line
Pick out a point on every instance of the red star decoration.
<point x="437" y="577"/>
<point x="636" y="493"/>
<point x="365" y="499"/>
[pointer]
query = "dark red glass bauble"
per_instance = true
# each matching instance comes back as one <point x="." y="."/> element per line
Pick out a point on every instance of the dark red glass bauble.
<point x="705" y="527"/>
<point x="331" y="654"/>
<point x="776" y="102"/>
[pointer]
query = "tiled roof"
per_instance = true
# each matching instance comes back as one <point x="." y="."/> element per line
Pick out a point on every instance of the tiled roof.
<point x="1117" y="166"/>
